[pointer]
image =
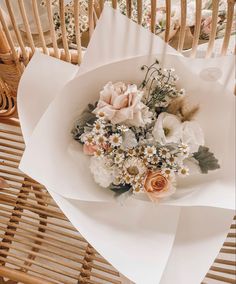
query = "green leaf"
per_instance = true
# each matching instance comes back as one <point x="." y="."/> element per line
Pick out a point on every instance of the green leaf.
<point x="207" y="161"/>
<point x="120" y="189"/>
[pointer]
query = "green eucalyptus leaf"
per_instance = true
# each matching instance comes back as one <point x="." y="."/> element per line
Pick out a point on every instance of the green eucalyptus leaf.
<point x="120" y="189"/>
<point x="207" y="161"/>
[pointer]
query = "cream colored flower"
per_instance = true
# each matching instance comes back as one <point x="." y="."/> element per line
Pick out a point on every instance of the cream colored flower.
<point x="103" y="175"/>
<point x="167" y="129"/>
<point x="122" y="104"/>
<point x="192" y="135"/>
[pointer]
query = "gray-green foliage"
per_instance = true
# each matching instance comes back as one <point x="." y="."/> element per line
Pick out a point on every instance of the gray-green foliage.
<point x="86" y="118"/>
<point x="207" y="161"/>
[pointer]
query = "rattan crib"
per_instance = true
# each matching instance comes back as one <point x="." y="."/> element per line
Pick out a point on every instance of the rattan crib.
<point x="38" y="243"/>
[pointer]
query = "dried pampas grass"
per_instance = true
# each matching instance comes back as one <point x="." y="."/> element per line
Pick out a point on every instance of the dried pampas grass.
<point x="181" y="107"/>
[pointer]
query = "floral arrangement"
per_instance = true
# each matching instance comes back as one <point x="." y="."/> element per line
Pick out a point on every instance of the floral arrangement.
<point x="146" y="19"/>
<point x="206" y="22"/>
<point x="140" y="138"/>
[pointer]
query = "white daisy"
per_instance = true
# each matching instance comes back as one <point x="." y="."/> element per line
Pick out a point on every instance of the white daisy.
<point x="171" y="160"/>
<point x="115" y="140"/>
<point x="137" y="188"/>
<point x="184" y="171"/>
<point x="87" y="138"/>
<point x="184" y="149"/>
<point x="128" y="178"/>
<point x="167" y="172"/>
<point x="98" y="127"/>
<point x="155" y="159"/>
<point x="100" y="139"/>
<point x="99" y="153"/>
<point x="135" y="166"/>
<point x="164" y="152"/>
<point x="122" y="128"/>
<point x="118" y="159"/>
<point x="150" y="151"/>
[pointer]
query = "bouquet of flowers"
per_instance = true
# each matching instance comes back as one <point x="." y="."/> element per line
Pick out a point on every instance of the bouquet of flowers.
<point x="141" y="138"/>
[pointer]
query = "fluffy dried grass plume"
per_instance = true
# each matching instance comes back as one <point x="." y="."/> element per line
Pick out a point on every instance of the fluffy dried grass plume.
<point x="182" y="108"/>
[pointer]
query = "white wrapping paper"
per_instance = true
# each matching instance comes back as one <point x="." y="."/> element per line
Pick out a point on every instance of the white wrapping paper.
<point x="205" y="241"/>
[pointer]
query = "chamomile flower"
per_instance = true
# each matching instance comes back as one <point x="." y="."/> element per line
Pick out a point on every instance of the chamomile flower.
<point x="123" y="128"/>
<point x="167" y="172"/>
<point x="98" y="127"/>
<point x="100" y="139"/>
<point x="99" y="153"/>
<point x="131" y="152"/>
<point x="150" y="151"/>
<point x="118" y="159"/>
<point x="155" y="159"/>
<point x="128" y="178"/>
<point x="171" y="160"/>
<point x="184" y="149"/>
<point x="115" y="140"/>
<point x="137" y="188"/>
<point x="87" y="138"/>
<point x="135" y="166"/>
<point x="117" y="180"/>
<point x="164" y="152"/>
<point x="184" y="171"/>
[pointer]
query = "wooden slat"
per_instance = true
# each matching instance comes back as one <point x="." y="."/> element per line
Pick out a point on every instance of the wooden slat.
<point x="39" y="25"/>
<point x="77" y="29"/>
<point x="153" y="15"/>
<point x="182" y="25"/>
<point x="17" y="32"/>
<point x="114" y="4"/>
<point x="168" y="19"/>
<point x="10" y="41"/>
<point x="90" y="17"/>
<point x="52" y="28"/>
<point x="129" y="8"/>
<point x="197" y="28"/>
<point x="63" y="30"/>
<point x="215" y="8"/>
<point x="26" y="24"/>
<point x="26" y="279"/>
<point x="229" y="23"/>
<point x="139" y="11"/>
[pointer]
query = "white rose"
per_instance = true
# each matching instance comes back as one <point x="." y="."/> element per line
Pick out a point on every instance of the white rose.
<point x="102" y="174"/>
<point x="192" y="135"/>
<point x="167" y="129"/>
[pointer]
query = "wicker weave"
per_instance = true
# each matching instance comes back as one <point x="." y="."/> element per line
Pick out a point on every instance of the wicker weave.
<point x="38" y="243"/>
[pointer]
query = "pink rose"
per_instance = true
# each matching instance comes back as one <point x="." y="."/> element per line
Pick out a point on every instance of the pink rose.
<point x="122" y="104"/>
<point x="157" y="186"/>
<point x="89" y="149"/>
<point x="207" y="25"/>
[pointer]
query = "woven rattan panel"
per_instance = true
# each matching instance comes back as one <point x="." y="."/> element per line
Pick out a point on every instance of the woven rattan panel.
<point x="35" y="235"/>
<point x="37" y="238"/>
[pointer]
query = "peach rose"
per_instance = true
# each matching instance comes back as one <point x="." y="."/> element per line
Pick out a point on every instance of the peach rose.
<point x="89" y="149"/>
<point x="157" y="186"/>
<point x="122" y="103"/>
